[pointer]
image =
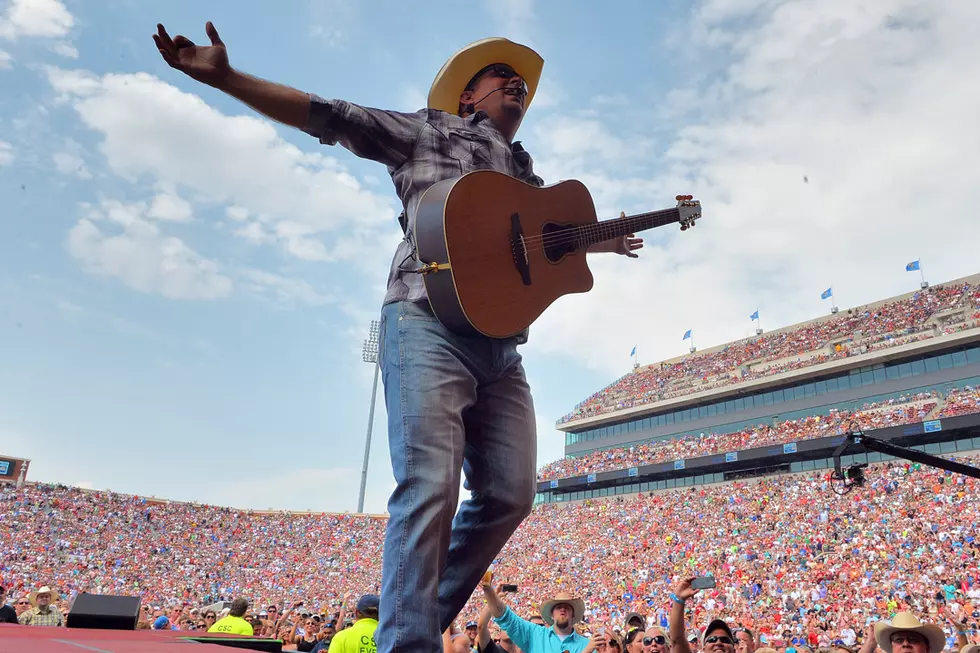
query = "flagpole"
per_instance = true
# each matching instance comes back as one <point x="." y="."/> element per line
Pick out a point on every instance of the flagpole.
<point x="922" y="274"/>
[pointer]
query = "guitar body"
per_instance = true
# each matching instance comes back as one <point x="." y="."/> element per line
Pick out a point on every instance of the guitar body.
<point x="478" y="281"/>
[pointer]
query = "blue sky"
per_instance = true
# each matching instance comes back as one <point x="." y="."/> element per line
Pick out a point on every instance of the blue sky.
<point x="184" y="287"/>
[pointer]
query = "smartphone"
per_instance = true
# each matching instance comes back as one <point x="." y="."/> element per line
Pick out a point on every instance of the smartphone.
<point x="509" y="588"/>
<point x="703" y="582"/>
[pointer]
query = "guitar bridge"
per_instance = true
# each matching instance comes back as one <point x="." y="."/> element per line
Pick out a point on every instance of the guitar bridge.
<point x="518" y="248"/>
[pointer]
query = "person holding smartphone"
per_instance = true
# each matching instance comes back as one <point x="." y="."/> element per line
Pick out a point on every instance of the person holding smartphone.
<point x="718" y="636"/>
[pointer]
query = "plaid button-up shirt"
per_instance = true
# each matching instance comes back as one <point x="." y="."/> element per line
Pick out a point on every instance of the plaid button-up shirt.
<point x="34" y="617"/>
<point x="419" y="150"/>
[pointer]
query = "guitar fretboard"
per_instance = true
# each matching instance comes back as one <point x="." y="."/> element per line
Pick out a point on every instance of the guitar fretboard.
<point x="591" y="234"/>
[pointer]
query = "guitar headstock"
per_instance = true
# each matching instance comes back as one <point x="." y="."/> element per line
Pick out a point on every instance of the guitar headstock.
<point x="689" y="209"/>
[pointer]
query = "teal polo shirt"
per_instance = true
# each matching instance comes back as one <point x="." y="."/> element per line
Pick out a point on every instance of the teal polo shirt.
<point x="532" y="638"/>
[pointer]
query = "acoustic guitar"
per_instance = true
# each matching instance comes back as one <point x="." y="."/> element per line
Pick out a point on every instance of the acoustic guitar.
<point x="495" y="252"/>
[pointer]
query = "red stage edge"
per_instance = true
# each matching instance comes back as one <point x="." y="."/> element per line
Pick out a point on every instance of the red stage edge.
<point x="36" y="639"/>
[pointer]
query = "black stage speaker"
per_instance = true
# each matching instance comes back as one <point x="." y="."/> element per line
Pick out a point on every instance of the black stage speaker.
<point x="104" y="611"/>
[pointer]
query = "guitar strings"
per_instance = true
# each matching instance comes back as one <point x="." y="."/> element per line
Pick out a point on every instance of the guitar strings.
<point x="584" y="233"/>
<point x="595" y="229"/>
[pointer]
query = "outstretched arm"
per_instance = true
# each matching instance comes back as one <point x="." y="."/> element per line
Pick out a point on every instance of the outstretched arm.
<point x="387" y="137"/>
<point x="209" y="65"/>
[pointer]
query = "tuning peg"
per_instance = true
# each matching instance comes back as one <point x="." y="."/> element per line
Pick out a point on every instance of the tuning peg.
<point x="679" y="198"/>
<point x="683" y="227"/>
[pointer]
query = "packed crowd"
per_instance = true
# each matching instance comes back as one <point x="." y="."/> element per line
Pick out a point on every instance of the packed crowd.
<point x="788" y="553"/>
<point x="874" y="415"/>
<point x="839" y="336"/>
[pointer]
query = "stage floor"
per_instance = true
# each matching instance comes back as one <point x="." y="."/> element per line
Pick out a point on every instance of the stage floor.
<point x="31" y="639"/>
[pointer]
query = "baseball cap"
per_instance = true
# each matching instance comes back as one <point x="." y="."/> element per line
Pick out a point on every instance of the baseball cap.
<point x="472" y="624"/>
<point x="160" y="623"/>
<point x="368" y="603"/>
<point x="717" y="624"/>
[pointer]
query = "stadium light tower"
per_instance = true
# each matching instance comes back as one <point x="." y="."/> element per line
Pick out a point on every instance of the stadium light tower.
<point x="369" y="354"/>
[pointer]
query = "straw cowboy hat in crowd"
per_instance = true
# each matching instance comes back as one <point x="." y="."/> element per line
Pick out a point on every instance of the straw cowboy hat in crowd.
<point x="451" y="81"/>
<point x="44" y="590"/>
<point x="578" y="608"/>
<point x="908" y="622"/>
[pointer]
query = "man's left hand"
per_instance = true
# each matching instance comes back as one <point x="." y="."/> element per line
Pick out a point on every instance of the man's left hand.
<point x="628" y="243"/>
<point x="625" y="245"/>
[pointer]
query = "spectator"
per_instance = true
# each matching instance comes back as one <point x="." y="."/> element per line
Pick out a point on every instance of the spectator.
<point x="7" y="613"/>
<point x="359" y="637"/>
<point x="906" y="634"/>
<point x="42" y="613"/>
<point x="234" y="623"/>
<point x="560" y="613"/>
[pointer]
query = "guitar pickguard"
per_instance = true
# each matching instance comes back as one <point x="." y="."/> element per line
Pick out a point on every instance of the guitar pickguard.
<point x="559" y="241"/>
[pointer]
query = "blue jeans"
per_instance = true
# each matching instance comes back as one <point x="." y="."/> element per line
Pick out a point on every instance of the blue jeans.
<point x="454" y="404"/>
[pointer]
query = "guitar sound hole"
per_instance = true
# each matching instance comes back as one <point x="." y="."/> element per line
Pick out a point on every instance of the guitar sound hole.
<point x="559" y="240"/>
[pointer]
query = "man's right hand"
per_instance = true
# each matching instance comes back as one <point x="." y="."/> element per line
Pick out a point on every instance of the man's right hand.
<point x="207" y="64"/>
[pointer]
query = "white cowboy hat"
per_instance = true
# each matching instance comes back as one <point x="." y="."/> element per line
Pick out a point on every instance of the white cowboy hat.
<point x="456" y="73"/>
<point x="906" y="621"/>
<point x="44" y="590"/>
<point x="970" y="648"/>
<point x="578" y="608"/>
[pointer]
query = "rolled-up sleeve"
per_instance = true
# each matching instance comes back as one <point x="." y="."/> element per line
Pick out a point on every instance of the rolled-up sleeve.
<point x="388" y="137"/>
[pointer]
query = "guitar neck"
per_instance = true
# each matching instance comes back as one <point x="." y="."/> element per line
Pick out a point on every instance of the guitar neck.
<point x="619" y="227"/>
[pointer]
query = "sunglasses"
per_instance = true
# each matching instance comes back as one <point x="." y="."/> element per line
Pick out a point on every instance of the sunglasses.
<point x="500" y="71"/>
<point x="911" y="638"/>
<point x="724" y="639"/>
<point x="659" y="639"/>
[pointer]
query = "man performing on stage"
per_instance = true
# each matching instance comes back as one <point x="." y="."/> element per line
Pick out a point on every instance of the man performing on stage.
<point x="453" y="402"/>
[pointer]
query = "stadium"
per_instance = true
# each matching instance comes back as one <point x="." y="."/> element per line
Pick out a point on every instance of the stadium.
<point x="715" y="463"/>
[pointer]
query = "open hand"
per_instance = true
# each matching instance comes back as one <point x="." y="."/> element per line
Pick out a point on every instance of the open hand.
<point x="207" y="64"/>
<point x="628" y="243"/>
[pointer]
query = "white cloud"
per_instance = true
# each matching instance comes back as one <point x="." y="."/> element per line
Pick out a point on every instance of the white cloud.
<point x="840" y="92"/>
<point x="70" y="163"/>
<point x="140" y="256"/>
<point x="236" y="213"/>
<point x="170" y="207"/>
<point x="6" y="153"/>
<point x="515" y="17"/>
<point x="65" y="49"/>
<point x="151" y="129"/>
<point x="5" y="59"/>
<point x="285" y="290"/>
<point x="39" y="18"/>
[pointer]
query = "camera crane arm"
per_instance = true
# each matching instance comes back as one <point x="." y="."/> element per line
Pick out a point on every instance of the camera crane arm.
<point x="856" y="436"/>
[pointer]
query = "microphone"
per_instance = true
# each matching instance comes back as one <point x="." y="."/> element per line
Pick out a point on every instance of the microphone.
<point x="471" y="108"/>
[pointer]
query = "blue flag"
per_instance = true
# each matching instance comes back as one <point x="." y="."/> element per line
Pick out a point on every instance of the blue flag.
<point x="687" y="334"/>
<point x="633" y="353"/>
<point x="754" y="316"/>
<point x="827" y="293"/>
<point x="913" y="266"/>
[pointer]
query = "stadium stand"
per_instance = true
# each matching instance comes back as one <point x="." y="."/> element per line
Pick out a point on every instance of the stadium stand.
<point x="778" y="546"/>
<point x="904" y="360"/>
<point x="717" y="463"/>
<point x="914" y="317"/>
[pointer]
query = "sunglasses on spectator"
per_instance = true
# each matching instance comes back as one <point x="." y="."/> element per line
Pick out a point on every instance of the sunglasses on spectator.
<point x="724" y="639"/>
<point x="659" y="639"/>
<point x="23" y="603"/>
<point x="911" y="638"/>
